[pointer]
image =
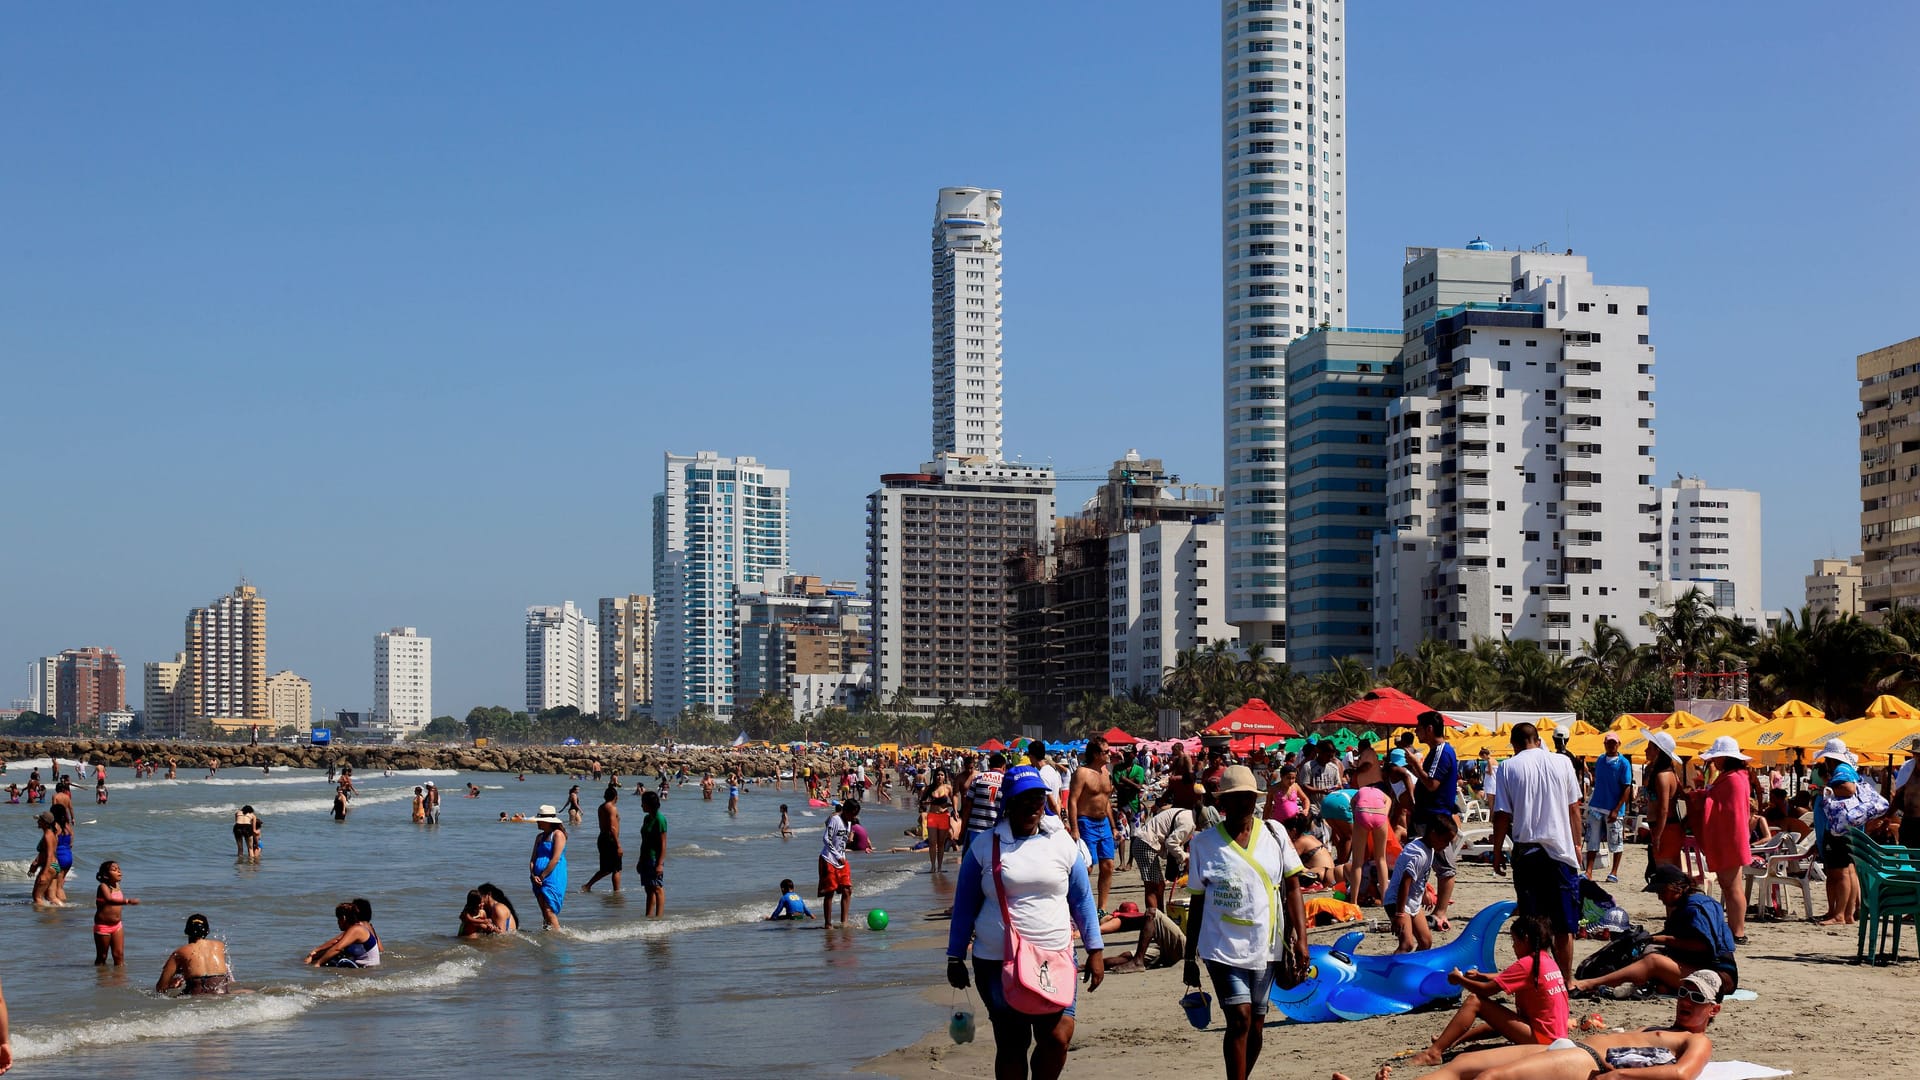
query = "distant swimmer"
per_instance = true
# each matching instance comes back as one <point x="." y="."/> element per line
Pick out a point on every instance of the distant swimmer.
<point x="608" y="842"/>
<point x="786" y="829"/>
<point x="199" y="966"/>
<point x="573" y="805"/>
<point x="419" y="806"/>
<point x="246" y="833"/>
<point x="790" y="906"/>
<point x="62" y="850"/>
<point x="100" y="788"/>
<point x="340" y="804"/>
<point x="733" y="794"/>
<point x="433" y="804"/>
<point x="473" y="790"/>
<point x="107" y="903"/>
<point x="42" y="868"/>
<point x="547" y="866"/>
<point x="357" y="945"/>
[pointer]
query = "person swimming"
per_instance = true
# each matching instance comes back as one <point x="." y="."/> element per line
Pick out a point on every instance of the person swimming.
<point x="791" y="906"/>
<point x="199" y="967"/>
<point x="358" y="943"/>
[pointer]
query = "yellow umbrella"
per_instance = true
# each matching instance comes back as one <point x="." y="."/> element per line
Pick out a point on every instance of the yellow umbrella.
<point x="1738" y="718"/>
<point x="1776" y="740"/>
<point x="1626" y="722"/>
<point x="1635" y="745"/>
<point x="1588" y="744"/>
<point x="1797" y="709"/>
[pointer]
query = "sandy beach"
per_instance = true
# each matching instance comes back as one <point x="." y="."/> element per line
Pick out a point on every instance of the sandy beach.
<point x="1817" y="1014"/>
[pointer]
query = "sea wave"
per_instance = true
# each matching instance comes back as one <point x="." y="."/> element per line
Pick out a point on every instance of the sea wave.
<point x="695" y="851"/>
<point x="15" y="870"/>
<point x="191" y="1017"/>
<point x="296" y="806"/>
<point x="673" y="924"/>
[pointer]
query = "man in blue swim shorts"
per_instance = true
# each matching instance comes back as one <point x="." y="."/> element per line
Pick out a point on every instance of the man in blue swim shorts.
<point x="1089" y="813"/>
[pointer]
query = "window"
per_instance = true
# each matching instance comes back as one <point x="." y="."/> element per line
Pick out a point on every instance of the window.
<point x="1613" y="309"/>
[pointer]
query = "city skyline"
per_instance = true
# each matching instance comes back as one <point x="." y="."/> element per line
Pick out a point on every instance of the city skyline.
<point x="425" y="289"/>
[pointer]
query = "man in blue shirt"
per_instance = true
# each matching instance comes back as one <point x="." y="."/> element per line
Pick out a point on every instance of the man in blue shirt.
<point x="1437" y="795"/>
<point x="1612" y="794"/>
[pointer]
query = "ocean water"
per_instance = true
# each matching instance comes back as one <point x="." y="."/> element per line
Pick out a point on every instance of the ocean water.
<point x="707" y="990"/>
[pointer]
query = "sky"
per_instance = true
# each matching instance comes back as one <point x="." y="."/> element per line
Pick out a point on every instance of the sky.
<point x="393" y="309"/>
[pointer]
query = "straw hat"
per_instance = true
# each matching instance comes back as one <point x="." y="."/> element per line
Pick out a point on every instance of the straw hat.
<point x="1236" y="780"/>
<point x="548" y="815"/>
<point x="1665" y="744"/>
<point x="1726" y="746"/>
<point x="1835" y="748"/>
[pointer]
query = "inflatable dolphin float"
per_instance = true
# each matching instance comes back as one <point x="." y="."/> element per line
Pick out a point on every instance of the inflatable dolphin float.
<point x="1343" y="986"/>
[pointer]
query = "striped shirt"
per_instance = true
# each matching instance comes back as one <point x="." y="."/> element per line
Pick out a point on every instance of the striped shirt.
<point x="983" y="793"/>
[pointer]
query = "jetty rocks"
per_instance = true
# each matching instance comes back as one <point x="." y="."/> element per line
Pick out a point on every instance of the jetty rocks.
<point x="21" y="754"/>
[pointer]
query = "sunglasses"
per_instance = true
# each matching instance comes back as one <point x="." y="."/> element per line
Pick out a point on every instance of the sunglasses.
<point x="1696" y="996"/>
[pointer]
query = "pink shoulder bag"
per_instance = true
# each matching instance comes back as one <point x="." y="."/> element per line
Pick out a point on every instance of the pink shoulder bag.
<point x="1033" y="980"/>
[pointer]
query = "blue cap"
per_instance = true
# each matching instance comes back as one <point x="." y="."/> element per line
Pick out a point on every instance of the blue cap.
<point x="1021" y="779"/>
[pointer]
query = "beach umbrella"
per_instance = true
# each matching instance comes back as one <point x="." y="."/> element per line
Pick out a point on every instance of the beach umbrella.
<point x="1795" y="708"/>
<point x="1635" y="746"/>
<point x="1255" y="717"/>
<point x="992" y="745"/>
<point x="1588" y="744"/>
<point x="1380" y="708"/>
<point x="1626" y="722"/>
<point x="1735" y="720"/>
<point x="1775" y="741"/>
<point x="1677" y="722"/>
<point x="1116" y="737"/>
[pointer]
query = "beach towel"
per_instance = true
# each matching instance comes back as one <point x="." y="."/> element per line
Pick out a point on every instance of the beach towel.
<point x="1325" y="911"/>
<point x="1740" y="1070"/>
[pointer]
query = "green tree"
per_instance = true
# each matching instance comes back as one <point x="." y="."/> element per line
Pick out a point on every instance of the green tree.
<point x="441" y="729"/>
<point x="766" y="717"/>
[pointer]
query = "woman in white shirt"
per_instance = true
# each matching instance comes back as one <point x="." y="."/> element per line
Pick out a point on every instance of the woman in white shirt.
<point x="1238" y="874"/>
<point x="1047" y="895"/>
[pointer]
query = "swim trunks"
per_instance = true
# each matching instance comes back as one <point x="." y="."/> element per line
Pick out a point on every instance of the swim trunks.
<point x="651" y="876"/>
<point x="1098" y="836"/>
<point x="609" y="855"/>
<point x="835" y="878"/>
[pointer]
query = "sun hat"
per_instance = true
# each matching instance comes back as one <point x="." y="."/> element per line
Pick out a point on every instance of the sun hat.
<point x="1725" y="746"/>
<point x="1397" y="757"/>
<point x="1127" y="910"/>
<point x="1021" y="779"/>
<point x="548" y="815"/>
<point x="1664" y="742"/>
<point x="1706" y="981"/>
<point x="1835" y="748"/>
<point x="429" y="783"/>
<point x="1237" y="780"/>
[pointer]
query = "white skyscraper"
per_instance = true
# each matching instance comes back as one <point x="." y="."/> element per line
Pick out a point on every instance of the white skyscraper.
<point x="1711" y="542"/>
<point x="1284" y="265"/>
<point x="720" y="523"/>
<point x="402" y="680"/>
<point x="563" y="659"/>
<point x="1166" y="589"/>
<point x="966" y="323"/>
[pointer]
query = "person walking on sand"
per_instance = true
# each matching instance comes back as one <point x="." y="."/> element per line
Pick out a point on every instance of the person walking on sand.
<point x="652" y="866"/>
<point x="107" y="903"/>
<point x="1612" y="795"/>
<point x="1538" y="806"/>
<point x="1436" y="794"/>
<point x="608" y="842"/>
<point x="836" y="874"/>
<point x="547" y="866"/>
<point x="1089" y="816"/>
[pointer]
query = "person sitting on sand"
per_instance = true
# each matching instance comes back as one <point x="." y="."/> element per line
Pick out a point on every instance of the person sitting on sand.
<point x="1162" y="942"/>
<point x="1696" y="937"/>
<point x="1679" y="1052"/>
<point x="198" y="967"/>
<point x="791" y="906"/>
<point x="1538" y="989"/>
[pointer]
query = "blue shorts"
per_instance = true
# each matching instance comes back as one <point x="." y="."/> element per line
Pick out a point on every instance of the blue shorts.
<point x="1546" y="887"/>
<point x="1098" y="834"/>
<point x="986" y="974"/>
<point x="1239" y="986"/>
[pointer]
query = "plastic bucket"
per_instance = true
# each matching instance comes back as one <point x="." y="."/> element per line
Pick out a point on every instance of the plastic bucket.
<point x="1199" y="1006"/>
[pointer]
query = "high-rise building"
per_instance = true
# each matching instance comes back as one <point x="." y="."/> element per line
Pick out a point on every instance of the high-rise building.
<point x="807" y="638"/>
<point x="162" y="699"/>
<point x="1834" y="586"/>
<point x="1340" y="384"/>
<point x="626" y="656"/>
<point x="91" y="681"/>
<point x="966" y="323"/>
<point x="720" y="523"/>
<point x="1889" y="476"/>
<point x="938" y="541"/>
<point x="1710" y="541"/>
<point x="1520" y="495"/>
<point x="402" y="681"/>
<point x="1167" y="593"/>
<point x="1283" y="265"/>
<point x="43" y="686"/>
<point x="563" y="659"/>
<point x="226" y="673"/>
<point x="289" y="701"/>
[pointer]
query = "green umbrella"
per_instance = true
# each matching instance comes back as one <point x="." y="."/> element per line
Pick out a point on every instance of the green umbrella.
<point x="1293" y="745"/>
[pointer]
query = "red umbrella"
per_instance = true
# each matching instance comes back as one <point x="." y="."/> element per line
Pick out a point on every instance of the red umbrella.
<point x="1256" y="717"/>
<point x="993" y="744"/>
<point x="1116" y="737"/>
<point x="1382" y="708"/>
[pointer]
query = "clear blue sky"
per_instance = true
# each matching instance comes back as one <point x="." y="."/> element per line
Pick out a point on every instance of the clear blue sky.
<point x="393" y="308"/>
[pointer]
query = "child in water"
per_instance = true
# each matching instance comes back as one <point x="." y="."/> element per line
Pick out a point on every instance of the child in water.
<point x="790" y="905"/>
<point x="786" y="830"/>
<point x="107" y="904"/>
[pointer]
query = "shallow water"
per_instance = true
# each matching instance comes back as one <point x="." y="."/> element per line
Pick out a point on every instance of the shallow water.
<point x="707" y="990"/>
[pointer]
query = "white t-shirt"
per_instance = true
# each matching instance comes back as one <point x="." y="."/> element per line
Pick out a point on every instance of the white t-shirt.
<point x="1409" y="870"/>
<point x="1537" y="787"/>
<point x="1238" y="928"/>
<point x="833" y="844"/>
<point x="1036" y="869"/>
<point x="1054" y="781"/>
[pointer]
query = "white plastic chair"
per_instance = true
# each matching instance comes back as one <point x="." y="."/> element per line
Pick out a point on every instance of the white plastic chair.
<point x="1474" y="811"/>
<point x="1783" y="867"/>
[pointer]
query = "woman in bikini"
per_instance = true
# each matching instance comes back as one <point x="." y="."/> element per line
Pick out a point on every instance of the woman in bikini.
<point x="43" y="871"/>
<point x="937" y="804"/>
<point x="199" y="966"/>
<point x="499" y="909"/>
<point x="357" y="945"/>
<point x="107" y="903"/>
<point x="245" y="828"/>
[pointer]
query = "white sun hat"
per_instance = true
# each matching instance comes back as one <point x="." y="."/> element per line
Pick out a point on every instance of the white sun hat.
<point x="1724" y="746"/>
<point x="1836" y="748"/>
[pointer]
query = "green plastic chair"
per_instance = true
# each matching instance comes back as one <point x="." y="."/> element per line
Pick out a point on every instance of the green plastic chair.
<point x="1889" y="895"/>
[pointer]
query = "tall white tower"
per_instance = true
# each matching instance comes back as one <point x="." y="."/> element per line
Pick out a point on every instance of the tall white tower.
<point x="563" y="659"/>
<point x="1284" y="265"/>
<point x="402" y="680"/>
<point x="966" y="323"/>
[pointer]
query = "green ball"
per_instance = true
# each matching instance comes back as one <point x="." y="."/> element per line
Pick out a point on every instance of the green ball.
<point x="876" y="919"/>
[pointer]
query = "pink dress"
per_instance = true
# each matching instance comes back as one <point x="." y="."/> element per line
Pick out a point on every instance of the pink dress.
<point x="1723" y="832"/>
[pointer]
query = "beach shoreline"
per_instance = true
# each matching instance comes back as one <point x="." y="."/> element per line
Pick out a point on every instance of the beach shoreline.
<point x="1816" y="1014"/>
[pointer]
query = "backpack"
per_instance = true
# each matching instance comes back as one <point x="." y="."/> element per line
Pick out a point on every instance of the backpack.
<point x="1615" y="954"/>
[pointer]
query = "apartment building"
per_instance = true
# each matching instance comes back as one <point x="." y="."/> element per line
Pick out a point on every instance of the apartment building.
<point x="91" y="681"/>
<point x="626" y="656"/>
<point x="225" y="678"/>
<point x="563" y="659"/>
<point x="966" y="323"/>
<point x="1889" y="419"/>
<point x="1834" y="586"/>
<point x="402" y="681"/>
<point x="1710" y="540"/>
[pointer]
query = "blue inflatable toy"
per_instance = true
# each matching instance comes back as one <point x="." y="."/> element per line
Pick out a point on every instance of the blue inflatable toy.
<point x="1348" y="987"/>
